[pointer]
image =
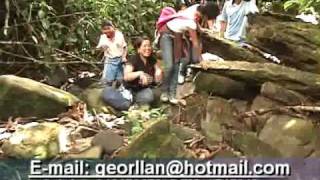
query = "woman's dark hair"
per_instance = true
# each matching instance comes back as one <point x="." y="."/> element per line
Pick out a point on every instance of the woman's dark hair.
<point x="138" y="41"/>
<point x="106" y="23"/>
<point x="210" y="10"/>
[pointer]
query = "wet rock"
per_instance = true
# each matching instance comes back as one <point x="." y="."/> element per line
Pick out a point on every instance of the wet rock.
<point x="251" y="146"/>
<point x="108" y="140"/>
<point x="281" y="94"/>
<point x="293" y="137"/>
<point x="35" y="140"/>
<point x="25" y="97"/>
<point x="155" y="141"/>
<point x="184" y="133"/>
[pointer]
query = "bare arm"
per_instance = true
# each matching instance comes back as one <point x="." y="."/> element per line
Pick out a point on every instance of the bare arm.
<point x="129" y="75"/>
<point x="223" y="26"/>
<point x="195" y="42"/>
<point x="158" y="73"/>
<point x="125" y="53"/>
<point x="224" y="20"/>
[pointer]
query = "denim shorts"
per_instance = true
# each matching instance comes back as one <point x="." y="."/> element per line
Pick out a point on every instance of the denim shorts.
<point x="113" y="69"/>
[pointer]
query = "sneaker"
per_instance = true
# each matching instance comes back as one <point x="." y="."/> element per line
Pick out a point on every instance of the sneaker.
<point x="189" y="72"/>
<point x="189" y="75"/>
<point x="164" y="97"/>
<point x="173" y="100"/>
<point x="180" y="78"/>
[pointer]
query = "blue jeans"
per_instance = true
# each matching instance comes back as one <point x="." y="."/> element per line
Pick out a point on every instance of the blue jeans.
<point x="144" y="96"/>
<point x="171" y="68"/>
<point x="114" y="98"/>
<point x="112" y="69"/>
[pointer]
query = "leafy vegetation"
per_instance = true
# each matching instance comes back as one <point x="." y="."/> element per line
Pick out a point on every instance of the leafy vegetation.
<point x="303" y="5"/>
<point x="52" y="32"/>
<point x="37" y="35"/>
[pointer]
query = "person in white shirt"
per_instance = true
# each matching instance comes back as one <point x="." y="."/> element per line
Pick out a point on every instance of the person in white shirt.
<point x="114" y="46"/>
<point x="234" y="19"/>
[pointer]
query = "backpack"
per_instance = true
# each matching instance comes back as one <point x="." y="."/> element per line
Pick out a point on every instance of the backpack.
<point x="166" y="14"/>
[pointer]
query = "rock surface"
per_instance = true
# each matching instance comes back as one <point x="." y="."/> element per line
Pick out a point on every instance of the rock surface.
<point x="35" y="140"/>
<point x="251" y="146"/>
<point x="27" y="98"/>
<point x="293" y="137"/>
<point x="156" y="141"/>
<point x="93" y="97"/>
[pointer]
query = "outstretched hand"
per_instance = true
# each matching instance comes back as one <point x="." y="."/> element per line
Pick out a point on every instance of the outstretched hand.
<point x="145" y="79"/>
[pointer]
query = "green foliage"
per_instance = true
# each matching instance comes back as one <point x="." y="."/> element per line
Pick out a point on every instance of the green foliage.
<point x="133" y="17"/>
<point x="141" y="117"/>
<point x="303" y="5"/>
<point x="72" y="26"/>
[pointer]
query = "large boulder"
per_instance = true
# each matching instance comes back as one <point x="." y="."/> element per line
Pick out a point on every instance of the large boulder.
<point x="293" y="137"/>
<point x="25" y="97"/>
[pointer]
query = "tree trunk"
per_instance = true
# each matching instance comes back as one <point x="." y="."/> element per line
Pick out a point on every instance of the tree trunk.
<point x="258" y="73"/>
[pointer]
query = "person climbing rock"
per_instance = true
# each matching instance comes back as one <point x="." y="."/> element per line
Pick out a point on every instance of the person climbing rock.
<point x="171" y="26"/>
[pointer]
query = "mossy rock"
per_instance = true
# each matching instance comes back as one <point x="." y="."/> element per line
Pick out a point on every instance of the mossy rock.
<point x="155" y="142"/>
<point x="28" y="98"/>
<point x="184" y="133"/>
<point x="36" y="140"/>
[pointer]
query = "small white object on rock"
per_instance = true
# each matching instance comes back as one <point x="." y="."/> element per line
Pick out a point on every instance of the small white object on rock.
<point x="211" y="57"/>
<point x="309" y="18"/>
